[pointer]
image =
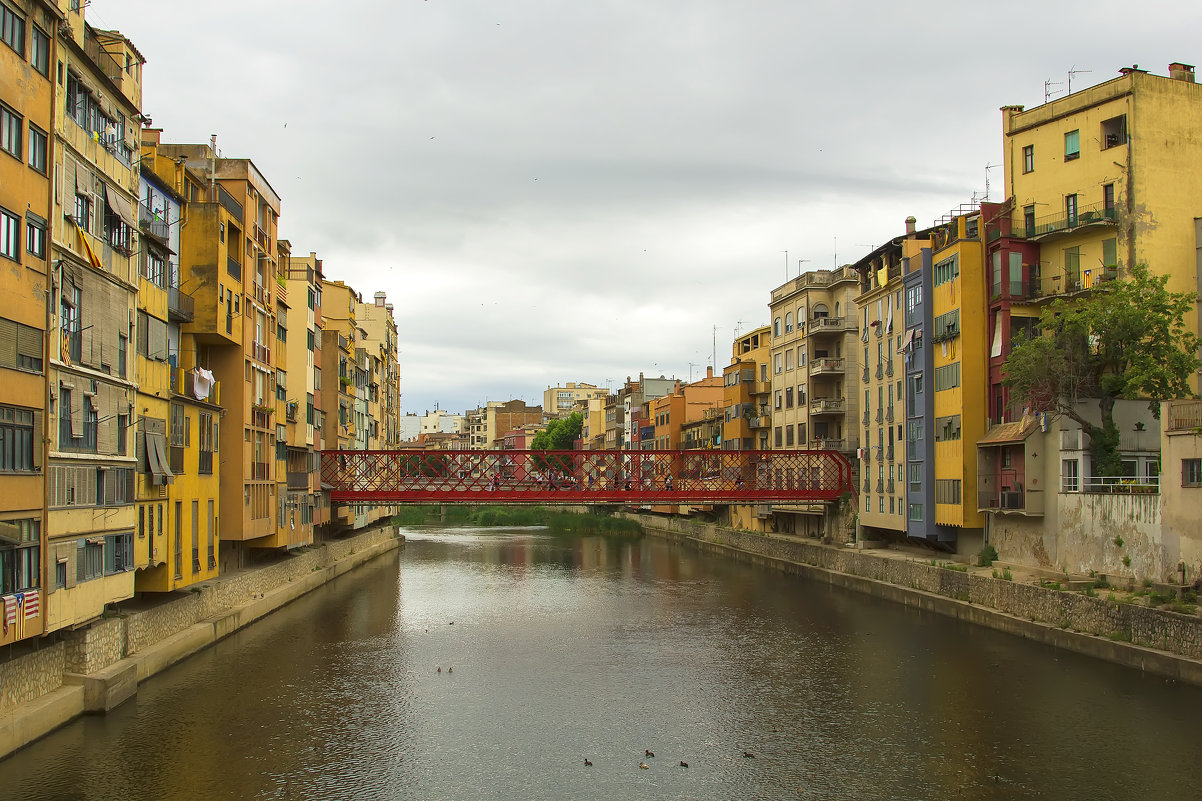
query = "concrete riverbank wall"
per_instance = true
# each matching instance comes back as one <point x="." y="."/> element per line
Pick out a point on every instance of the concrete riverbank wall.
<point x="97" y="668"/>
<point x="1158" y="641"/>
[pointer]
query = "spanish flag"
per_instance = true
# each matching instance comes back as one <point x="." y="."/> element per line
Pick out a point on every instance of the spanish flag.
<point x="87" y="246"/>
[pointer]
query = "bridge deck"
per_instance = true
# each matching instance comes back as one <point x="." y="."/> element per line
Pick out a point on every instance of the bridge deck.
<point x="585" y="477"/>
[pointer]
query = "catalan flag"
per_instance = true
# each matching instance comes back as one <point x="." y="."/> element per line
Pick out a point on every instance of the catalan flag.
<point x="87" y="246"/>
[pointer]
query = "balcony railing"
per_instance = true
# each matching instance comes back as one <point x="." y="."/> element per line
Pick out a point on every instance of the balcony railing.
<point x="180" y="305"/>
<point x="889" y="368"/>
<point x="828" y="406"/>
<point x="880" y="414"/>
<point x="298" y="480"/>
<point x="233" y="267"/>
<point x="261" y="352"/>
<point x="880" y="370"/>
<point x="1018" y="501"/>
<point x="1185" y="415"/>
<point x="889" y="415"/>
<point x="867" y="416"/>
<point x="824" y="444"/>
<point x="880" y="485"/>
<point x="835" y="325"/>
<point x="228" y="203"/>
<point x="260" y="236"/>
<point x="889" y="452"/>
<point x="150" y="223"/>
<point x="1117" y="485"/>
<point x="867" y="375"/>
<point x="1059" y="223"/>
<point x="825" y="365"/>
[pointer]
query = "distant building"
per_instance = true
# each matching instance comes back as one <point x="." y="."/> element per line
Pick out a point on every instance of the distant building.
<point x="561" y="401"/>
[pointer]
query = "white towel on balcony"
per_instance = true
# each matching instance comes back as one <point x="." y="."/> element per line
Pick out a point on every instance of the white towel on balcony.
<point x="202" y="383"/>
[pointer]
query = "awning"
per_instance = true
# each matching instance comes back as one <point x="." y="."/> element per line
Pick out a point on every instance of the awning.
<point x="1009" y="433"/>
<point x="907" y="341"/>
<point x="121" y="206"/>
<point x="156" y="457"/>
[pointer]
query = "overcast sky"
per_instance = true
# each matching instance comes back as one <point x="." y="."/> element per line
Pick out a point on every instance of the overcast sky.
<point x="580" y="190"/>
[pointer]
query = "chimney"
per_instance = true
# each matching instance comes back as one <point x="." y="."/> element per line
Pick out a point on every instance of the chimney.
<point x="1181" y="72"/>
<point x="911" y="226"/>
<point x="380" y="299"/>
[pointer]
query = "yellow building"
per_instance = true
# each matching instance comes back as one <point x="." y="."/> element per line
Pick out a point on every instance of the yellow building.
<point x="1096" y="181"/>
<point x="178" y="488"/>
<point x="27" y="100"/>
<point x="91" y="517"/>
<point x="303" y="410"/>
<point x="230" y="261"/>
<point x="747" y="418"/>
<point x="883" y="413"/>
<point x="562" y="400"/>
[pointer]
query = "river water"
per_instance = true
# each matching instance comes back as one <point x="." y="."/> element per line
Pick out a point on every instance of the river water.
<point x="557" y="649"/>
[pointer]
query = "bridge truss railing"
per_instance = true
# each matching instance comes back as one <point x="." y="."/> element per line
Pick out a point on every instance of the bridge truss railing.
<point x="571" y="477"/>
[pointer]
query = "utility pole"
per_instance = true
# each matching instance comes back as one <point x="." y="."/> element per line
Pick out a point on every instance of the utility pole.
<point x="786" y="264"/>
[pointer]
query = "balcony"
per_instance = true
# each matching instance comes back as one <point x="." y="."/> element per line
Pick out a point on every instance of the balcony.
<point x="867" y="416"/>
<point x="1011" y="501"/>
<point x="260" y="416"/>
<point x="760" y="421"/>
<point x="261" y="352"/>
<point x="291" y="412"/>
<point x="1113" y="485"/>
<point x="183" y="382"/>
<point x="260" y="293"/>
<point x="880" y="415"/>
<point x="152" y="225"/>
<point x="889" y="415"/>
<point x="889" y="368"/>
<point x="830" y="325"/>
<point x="880" y="485"/>
<point x="828" y="406"/>
<point x="867" y="485"/>
<point x="1058" y="224"/>
<point x="233" y="267"/>
<point x="867" y="373"/>
<point x="827" y="366"/>
<point x="890" y="487"/>
<point x="880" y="370"/>
<point x="824" y="444"/>
<point x="229" y="204"/>
<point x="298" y="480"/>
<point x="180" y="305"/>
<point x="261" y="237"/>
<point x="1185" y="415"/>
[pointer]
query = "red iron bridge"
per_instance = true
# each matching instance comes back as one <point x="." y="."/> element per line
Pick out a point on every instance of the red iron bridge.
<point x="585" y="477"/>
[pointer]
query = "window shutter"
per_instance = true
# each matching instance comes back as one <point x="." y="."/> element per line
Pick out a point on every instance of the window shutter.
<point x="29" y="341"/>
<point x="37" y="440"/>
<point x="8" y="343"/>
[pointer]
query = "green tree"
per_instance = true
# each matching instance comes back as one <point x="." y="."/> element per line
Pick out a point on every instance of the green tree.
<point x="559" y="435"/>
<point x="1124" y="339"/>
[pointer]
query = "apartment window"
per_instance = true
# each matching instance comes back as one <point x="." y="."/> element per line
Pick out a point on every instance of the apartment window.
<point x="118" y="553"/>
<point x="17" y="439"/>
<point x="947" y="428"/>
<point x="83" y="212"/>
<point x="1108" y="196"/>
<point x="155" y="269"/>
<point x="39" y="51"/>
<point x="947" y="376"/>
<point x="35" y="235"/>
<point x="1029" y="158"/>
<point x="789" y="359"/>
<point x="947" y="490"/>
<point x="1114" y="132"/>
<point x="1070" y="209"/>
<point x="10" y="235"/>
<point x="778" y="364"/>
<point x="116" y="232"/>
<point x="913" y="301"/>
<point x="12" y="29"/>
<point x="777" y="436"/>
<point x="789" y="398"/>
<point x="1029" y="220"/>
<point x="916" y="511"/>
<point x="789" y="322"/>
<point x="122" y="354"/>
<point x="789" y="436"/>
<point x="1070" y="475"/>
<point x="1072" y="145"/>
<point x="946" y="270"/>
<point x="776" y="327"/>
<point x="1191" y="472"/>
<point x="10" y="131"/>
<point x="947" y="325"/>
<point x="89" y="559"/>
<point x="37" y="148"/>
<point x="21" y="563"/>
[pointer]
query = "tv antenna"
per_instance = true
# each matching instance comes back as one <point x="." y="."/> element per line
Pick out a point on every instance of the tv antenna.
<point x="1071" y="72"/>
<point x="988" y="167"/>
<point x="1048" y="91"/>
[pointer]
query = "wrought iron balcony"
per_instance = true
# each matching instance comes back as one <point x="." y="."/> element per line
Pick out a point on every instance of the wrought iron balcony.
<point x="828" y="406"/>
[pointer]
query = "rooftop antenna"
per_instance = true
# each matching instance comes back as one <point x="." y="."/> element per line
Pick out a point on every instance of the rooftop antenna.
<point x="691" y="366"/>
<point x="1048" y="91"/>
<point x="786" y="265"/>
<point x="799" y="263"/>
<point x="988" y="167"/>
<point x="1071" y="72"/>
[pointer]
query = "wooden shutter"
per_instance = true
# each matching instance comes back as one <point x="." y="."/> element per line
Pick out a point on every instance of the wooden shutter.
<point x="38" y="440"/>
<point x="8" y="343"/>
<point x="29" y="341"/>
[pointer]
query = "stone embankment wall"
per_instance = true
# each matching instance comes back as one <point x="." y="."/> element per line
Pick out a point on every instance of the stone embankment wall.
<point x="1041" y="613"/>
<point x="32" y="676"/>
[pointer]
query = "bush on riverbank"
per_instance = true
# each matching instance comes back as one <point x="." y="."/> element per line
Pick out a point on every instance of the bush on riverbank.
<point x="557" y="522"/>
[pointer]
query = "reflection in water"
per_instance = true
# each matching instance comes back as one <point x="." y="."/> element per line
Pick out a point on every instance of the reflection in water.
<point x="563" y="648"/>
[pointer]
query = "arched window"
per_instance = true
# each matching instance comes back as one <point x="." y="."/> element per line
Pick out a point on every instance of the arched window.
<point x="820" y="311"/>
<point x="776" y="327"/>
<point x="836" y="308"/>
<point x="788" y="322"/>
